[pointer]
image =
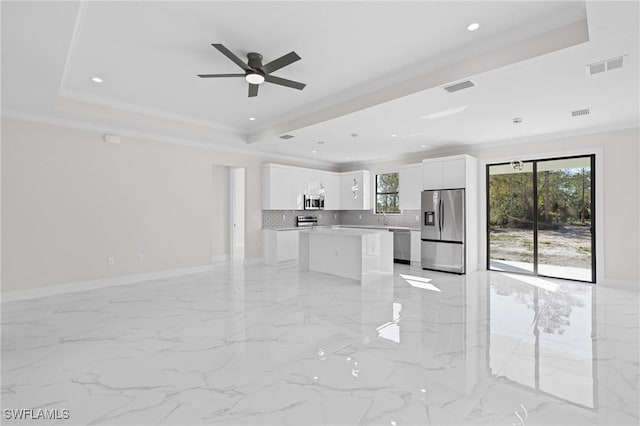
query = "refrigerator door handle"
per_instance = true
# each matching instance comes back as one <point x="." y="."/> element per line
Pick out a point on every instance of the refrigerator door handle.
<point x="442" y="213"/>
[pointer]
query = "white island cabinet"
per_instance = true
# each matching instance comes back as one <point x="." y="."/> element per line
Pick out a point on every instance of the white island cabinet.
<point x="365" y="255"/>
<point x="279" y="245"/>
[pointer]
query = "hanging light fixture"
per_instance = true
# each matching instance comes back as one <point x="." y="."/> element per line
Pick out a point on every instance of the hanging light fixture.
<point x="517" y="164"/>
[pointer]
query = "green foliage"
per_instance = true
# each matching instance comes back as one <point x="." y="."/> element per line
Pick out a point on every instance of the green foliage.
<point x="387" y="198"/>
<point x="564" y="197"/>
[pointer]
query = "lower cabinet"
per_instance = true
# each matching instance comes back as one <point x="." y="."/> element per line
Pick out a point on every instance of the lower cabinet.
<point x="416" y="246"/>
<point x="279" y="245"/>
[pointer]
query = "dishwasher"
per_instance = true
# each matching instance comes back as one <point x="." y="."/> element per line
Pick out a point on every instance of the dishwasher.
<point x="401" y="245"/>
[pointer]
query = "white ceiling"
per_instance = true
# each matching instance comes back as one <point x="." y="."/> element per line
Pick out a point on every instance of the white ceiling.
<point x="372" y="68"/>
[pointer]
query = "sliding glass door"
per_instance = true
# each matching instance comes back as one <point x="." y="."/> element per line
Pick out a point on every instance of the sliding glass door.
<point x="541" y="217"/>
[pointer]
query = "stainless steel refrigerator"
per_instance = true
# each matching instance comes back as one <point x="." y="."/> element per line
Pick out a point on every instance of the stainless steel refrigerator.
<point x="443" y="233"/>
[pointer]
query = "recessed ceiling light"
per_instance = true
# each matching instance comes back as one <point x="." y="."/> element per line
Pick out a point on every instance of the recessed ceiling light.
<point x="96" y="80"/>
<point x="517" y="120"/>
<point x="314" y="152"/>
<point x="423" y="146"/>
<point x="394" y="135"/>
<point x="474" y="26"/>
<point x="348" y="158"/>
<point x="252" y="118"/>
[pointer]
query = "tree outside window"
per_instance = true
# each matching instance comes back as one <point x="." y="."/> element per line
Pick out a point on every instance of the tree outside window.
<point x="387" y="197"/>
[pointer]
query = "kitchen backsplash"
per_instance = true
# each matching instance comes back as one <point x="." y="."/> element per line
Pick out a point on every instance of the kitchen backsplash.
<point x="408" y="218"/>
<point x="273" y="219"/>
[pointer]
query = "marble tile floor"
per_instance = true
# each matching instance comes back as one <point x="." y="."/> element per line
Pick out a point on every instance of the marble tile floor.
<point x="260" y="345"/>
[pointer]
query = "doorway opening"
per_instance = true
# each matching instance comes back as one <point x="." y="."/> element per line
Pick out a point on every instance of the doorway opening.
<point x="237" y="213"/>
<point x="541" y="217"/>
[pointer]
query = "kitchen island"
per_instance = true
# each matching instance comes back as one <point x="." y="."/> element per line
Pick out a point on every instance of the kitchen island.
<point x="360" y="254"/>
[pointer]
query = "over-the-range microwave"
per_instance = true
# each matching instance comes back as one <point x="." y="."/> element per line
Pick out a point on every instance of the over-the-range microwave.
<point x="313" y="202"/>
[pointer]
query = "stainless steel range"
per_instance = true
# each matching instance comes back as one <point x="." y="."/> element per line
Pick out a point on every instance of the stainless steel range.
<point x="306" y="221"/>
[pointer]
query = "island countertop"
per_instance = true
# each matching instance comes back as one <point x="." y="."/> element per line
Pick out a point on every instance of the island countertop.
<point x="354" y="232"/>
<point x="360" y="254"/>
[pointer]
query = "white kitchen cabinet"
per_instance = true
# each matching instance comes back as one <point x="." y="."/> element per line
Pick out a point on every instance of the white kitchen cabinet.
<point x="454" y="173"/>
<point x="445" y="173"/>
<point x="355" y="190"/>
<point x="279" y="245"/>
<point x="284" y="188"/>
<point x="416" y="246"/>
<point x="432" y="175"/>
<point x="277" y="188"/>
<point x="331" y="183"/>
<point x="410" y="186"/>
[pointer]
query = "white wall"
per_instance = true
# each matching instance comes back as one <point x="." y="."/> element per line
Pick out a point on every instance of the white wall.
<point x="71" y="201"/>
<point x="220" y="197"/>
<point x="617" y="167"/>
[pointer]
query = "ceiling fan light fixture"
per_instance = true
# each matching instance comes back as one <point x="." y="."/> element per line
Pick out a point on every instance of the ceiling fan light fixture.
<point x="254" y="78"/>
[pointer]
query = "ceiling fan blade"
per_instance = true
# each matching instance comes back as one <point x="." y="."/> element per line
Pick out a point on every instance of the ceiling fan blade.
<point x="219" y="75"/>
<point x="284" y="82"/>
<point x="281" y="62"/>
<point x="253" y="90"/>
<point x="226" y="52"/>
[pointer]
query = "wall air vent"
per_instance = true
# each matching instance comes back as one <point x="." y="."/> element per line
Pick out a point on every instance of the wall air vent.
<point x="608" y="65"/>
<point x="459" y="86"/>
<point x="580" y="112"/>
<point x="285" y="137"/>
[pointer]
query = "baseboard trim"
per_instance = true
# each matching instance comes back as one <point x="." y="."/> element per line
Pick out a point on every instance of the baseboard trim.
<point x="34" y="293"/>
<point x="220" y="258"/>
<point x="620" y="284"/>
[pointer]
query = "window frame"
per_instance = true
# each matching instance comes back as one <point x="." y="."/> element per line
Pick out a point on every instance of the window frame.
<point x="397" y="193"/>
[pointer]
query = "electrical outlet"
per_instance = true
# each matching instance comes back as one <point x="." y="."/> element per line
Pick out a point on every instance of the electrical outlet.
<point x="417" y="217"/>
<point x="284" y="217"/>
<point x="111" y="260"/>
<point x="141" y="257"/>
<point x="360" y="216"/>
<point x="335" y="215"/>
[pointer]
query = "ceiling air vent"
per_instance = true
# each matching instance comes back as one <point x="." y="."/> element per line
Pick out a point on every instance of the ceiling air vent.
<point x="285" y="137"/>
<point x="580" y="112"/>
<point x="459" y="86"/>
<point x="608" y="65"/>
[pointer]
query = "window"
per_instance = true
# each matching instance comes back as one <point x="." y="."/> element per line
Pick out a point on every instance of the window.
<point x="387" y="198"/>
<point x="540" y="217"/>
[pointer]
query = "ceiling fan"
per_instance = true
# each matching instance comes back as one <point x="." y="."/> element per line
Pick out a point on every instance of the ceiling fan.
<point x="255" y="73"/>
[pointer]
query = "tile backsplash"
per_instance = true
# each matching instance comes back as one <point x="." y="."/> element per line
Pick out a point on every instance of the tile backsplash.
<point x="274" y="219"/>
<point x="408" y="218"/>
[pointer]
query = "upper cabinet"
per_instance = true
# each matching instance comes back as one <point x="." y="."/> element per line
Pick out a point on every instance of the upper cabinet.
<point x="285" y="187"/>
<point x="330" y="182"/>
<point x="410" y="186"/>
<point x="277" y="188"/>
<point x="355" y="190"/>
<point x="446" y="172"/>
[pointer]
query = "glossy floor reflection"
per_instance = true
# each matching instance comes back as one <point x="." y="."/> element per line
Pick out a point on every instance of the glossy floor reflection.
<point x="264" y="345"/>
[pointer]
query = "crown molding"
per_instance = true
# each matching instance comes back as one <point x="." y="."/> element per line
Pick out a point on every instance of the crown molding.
<point x="65" y="92"/>
<point x="470" y="148"/>
<point x="210" y="146"/>
<point x="137" y="109"/>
